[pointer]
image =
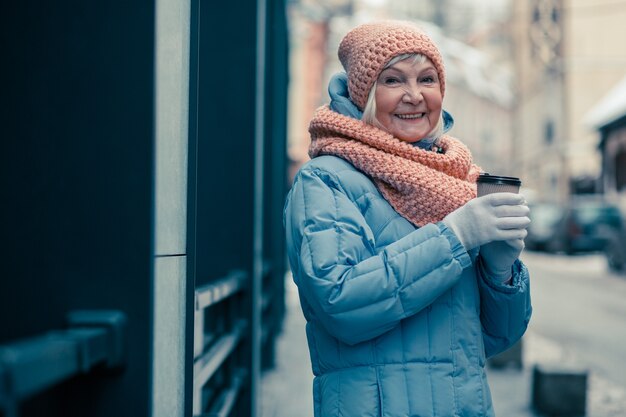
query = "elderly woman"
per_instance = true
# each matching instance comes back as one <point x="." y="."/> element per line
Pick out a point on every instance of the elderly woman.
<point x="406" y="279"/>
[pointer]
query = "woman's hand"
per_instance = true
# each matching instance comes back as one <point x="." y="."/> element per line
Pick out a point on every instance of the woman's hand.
<point x="492" y="217"/>
<point x="498" y="257"/>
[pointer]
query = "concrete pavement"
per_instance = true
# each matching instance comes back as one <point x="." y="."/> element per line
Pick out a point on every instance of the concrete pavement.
<point x="287" y="389"/>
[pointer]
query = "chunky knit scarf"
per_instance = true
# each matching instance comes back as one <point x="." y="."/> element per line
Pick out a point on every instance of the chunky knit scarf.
<point x="422" y="186"/>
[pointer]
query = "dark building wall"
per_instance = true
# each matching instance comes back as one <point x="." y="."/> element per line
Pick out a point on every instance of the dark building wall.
<point x="225" y="137"/>
<point x="76" y="173"/>
<point x="237" y="173"/>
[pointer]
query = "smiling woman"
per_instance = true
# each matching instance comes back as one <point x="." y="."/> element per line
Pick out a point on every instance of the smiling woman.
<point x="407" y="280"/>
<point x="406" y="99"/>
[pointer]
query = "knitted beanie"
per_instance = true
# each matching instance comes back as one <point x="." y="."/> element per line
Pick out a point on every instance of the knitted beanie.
<point x="366" y="49"/>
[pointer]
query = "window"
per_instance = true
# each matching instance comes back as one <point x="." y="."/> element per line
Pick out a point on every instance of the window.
<point x="548" y="135"/>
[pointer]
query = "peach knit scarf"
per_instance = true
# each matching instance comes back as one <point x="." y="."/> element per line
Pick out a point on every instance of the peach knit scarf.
<point x="422" y="186"/>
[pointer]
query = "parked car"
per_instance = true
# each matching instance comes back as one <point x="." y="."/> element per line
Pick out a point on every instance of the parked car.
<point x="545" y="218"/>
<point x="585" y="224"/>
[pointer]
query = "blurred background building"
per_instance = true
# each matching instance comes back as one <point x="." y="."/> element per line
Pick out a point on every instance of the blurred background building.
<point x="476" y="47"/>
<point x="608" y="117"/>
<point x="534" y="69"/>
<point x="567" y="57"/>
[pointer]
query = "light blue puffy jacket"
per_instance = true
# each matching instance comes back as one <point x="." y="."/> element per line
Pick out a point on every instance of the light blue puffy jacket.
<point x="399" y="319"/>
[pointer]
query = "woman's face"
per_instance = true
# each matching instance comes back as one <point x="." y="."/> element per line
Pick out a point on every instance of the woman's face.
<point x="408" y="99"/>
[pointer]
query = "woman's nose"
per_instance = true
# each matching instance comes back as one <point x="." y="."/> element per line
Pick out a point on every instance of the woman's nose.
<point x="412" y="94"/>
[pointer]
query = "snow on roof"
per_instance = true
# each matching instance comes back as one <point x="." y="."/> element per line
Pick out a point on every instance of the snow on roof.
<point x="472" y="68"/>
<point x="610" y="108"/>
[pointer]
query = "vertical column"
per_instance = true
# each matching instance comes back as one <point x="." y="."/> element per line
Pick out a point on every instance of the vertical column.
<point x="258" y="208"/>
<point x="171" y="306"/>
<point x="224" y="174"/>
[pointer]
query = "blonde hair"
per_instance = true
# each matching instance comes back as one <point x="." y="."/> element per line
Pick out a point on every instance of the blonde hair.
<point x="369" y="112"/>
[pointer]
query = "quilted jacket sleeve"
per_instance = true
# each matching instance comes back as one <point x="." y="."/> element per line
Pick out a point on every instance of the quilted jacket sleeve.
<point x="356" y="292"/>
<point x="505" y="309"/>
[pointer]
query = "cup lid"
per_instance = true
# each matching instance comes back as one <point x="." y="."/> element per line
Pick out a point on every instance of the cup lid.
<point x="498" y="179"/>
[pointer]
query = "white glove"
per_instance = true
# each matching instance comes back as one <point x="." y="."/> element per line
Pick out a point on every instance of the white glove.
<point x="492" y="217"/>
<point x="498" y="257"/>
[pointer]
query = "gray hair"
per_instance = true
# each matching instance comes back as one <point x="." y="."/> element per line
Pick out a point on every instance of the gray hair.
<point x="369" y="112"/>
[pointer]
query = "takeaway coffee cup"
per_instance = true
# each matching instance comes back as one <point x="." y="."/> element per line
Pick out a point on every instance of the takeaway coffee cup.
<point x="488" y="184"/>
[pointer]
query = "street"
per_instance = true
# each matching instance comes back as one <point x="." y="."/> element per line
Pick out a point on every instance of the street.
<point x="581" y="307"/>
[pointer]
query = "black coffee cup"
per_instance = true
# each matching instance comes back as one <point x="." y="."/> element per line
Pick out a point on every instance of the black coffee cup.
<point x="487" y="184"/>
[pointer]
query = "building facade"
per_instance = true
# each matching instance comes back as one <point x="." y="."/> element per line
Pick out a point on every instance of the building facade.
<point x="608" y="118"/>
<point x="478" y="95"/>
<point x="568" y="54"/>
<point x="539" y="127"/>
<point x="595" y="62"/>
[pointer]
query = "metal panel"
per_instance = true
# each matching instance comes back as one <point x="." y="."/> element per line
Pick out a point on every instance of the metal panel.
<point x="275" y="179"/>
<point x="222" y="173"/>
<point x="173" y="314"/>
<point x="237" y="184"/>
<point x="94" y="339"/>
<point x="214" y="292"/>
<point x="76" y="167"/>
<point x="168" y="364"/>
<point x="217" y="380"/>
<point x="171" y="125"/>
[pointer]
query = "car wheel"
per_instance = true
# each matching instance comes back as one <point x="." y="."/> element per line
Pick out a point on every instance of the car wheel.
<point x="553" y="246"/>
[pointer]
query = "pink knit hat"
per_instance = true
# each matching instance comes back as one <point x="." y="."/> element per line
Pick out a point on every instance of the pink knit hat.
<point x="366" y="49"/>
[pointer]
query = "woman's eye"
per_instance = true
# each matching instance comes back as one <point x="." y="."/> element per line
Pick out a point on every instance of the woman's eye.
<point x="391" y="81"/>
<point x="428" y="79"/>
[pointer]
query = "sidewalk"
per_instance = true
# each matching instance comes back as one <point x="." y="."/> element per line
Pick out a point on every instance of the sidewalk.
<point x="287" y="389"/>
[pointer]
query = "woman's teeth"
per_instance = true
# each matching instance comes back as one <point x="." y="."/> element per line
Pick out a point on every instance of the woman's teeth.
<point x="410" y="116"/>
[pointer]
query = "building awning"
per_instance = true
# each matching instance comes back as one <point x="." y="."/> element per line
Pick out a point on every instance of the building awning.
<point x="610" y="108"/>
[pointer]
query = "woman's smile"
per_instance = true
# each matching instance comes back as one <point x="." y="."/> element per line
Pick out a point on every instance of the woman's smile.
<point x="410" y="116"/>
